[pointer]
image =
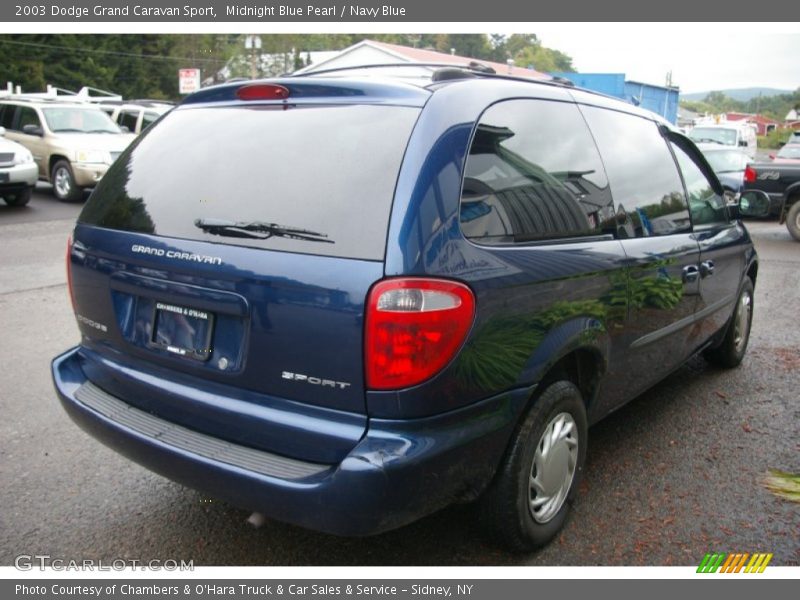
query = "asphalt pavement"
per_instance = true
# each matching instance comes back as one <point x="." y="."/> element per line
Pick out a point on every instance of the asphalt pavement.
<point x="675" y="474"/>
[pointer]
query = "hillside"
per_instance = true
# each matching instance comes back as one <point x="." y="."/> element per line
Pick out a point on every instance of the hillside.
<point x="741" y="94"/>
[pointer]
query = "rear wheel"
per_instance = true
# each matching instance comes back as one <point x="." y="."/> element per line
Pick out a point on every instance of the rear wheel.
<point x="731" y="351"/>
<point x="63" y="180"/>
<point x="20" y="198"/>
<point x="793" y="220"/>
<point x="528" y="502"/>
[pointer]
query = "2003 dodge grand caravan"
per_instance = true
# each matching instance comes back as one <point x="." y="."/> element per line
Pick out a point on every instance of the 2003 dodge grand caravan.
<point x="347" y="301"/>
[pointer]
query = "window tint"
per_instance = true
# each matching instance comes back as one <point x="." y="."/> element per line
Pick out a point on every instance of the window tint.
<point x="705" y="205"/>
<point x="28" y="116"/>
<point x="317" y="170"/>
<point x="128" y="119"/>
<point x="7" y="115"/>
<point x="644" y="180"/>
<point x="533" y="173"/>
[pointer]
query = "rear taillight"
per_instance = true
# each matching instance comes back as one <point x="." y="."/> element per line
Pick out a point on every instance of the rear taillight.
<point x="414" y="327"/>
<point x="749" y="174"/>
<point x="69" y="272"/>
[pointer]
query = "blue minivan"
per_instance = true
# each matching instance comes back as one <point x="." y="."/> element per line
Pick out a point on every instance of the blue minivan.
<point x="348" y="301"/>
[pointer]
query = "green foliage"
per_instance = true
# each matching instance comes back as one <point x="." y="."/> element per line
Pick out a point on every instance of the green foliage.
<point x="774" y="139"/>
<point x="146" y="65"/>
<point x="774" y="107"/>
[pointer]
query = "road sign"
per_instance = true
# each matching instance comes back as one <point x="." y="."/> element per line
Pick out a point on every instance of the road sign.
<point x="188" y="80"/>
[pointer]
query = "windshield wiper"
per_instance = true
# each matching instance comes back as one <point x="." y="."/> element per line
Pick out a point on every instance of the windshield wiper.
<point x="258" y="230"/>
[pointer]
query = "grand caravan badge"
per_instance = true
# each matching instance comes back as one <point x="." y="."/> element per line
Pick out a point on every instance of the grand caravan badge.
<point x="177" y="254"/>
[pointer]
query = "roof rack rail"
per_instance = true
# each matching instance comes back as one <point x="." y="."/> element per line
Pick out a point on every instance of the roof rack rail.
<point x="472" y="66"/>
<point x="448" y="72"/>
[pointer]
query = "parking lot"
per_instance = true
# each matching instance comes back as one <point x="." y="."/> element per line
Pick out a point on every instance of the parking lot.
<point x="675" y="474"/>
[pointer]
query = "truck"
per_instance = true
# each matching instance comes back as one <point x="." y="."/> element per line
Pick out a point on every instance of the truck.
<point x="779" y="184"/>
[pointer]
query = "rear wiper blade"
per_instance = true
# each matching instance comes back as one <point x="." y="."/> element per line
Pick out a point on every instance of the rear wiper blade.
<point x="258" y="230"/>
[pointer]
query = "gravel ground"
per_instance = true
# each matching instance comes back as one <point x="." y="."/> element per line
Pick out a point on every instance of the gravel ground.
<point x="673" y="475"/>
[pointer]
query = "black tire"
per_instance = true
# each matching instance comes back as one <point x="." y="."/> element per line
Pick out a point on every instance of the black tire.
<point x="731" y="351"/>
<point x="793" y="220"/>
<point x="506" y="507"/>
<point x="20" y="198"/>
<point x="63" y="180"/>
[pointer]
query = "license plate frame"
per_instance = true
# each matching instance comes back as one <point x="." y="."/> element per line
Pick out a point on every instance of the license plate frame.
<point x="182" y="330"/>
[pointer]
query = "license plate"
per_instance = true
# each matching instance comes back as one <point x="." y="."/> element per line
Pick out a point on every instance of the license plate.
<point x="182" y="330"/>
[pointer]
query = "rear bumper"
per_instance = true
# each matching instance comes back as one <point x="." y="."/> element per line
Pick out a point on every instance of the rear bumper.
<point x="398" y="472"/>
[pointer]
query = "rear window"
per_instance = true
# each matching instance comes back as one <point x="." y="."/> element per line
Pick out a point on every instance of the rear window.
<point x="324" y="176"/>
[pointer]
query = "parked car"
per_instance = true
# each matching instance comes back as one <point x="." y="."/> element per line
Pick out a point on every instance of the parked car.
<point x="727" y="134"/>
<point x="18" y="172"/>
<point x="788" y="154"/>
<point x="413" y="295"/>
<point x="136" y="116"/>
<point x="728" y="164"/>
<point x="72" y="144"/>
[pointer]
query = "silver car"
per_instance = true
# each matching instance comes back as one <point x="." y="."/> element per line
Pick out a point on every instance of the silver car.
<point x="18" y="172"/>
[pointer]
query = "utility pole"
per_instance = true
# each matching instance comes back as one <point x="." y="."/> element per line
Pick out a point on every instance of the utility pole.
<point x="253" y="43"/>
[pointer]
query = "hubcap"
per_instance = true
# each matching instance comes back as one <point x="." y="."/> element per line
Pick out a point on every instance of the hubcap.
<point x="553" y="468"/>
<point x="62" y="182"/>
<point x="742" y="323"/>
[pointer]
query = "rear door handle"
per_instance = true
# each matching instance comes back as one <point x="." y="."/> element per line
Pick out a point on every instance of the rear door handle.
<point x="707" y="268"/>
<point x="690" y="273"/>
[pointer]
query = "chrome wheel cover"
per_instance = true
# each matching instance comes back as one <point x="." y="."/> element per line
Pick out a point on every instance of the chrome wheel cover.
<point x="741" y="323"/>
<point x="553" y="469"/>
<point x="62" y="182"/>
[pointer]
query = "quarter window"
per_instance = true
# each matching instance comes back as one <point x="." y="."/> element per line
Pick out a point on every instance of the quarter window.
<point x="705" y="204"/>
<point x="533" y="173"/>
<point x="647" y="189"/>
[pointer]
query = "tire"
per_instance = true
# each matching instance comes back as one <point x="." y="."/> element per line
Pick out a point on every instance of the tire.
<point x="793" y="220"/>
<point x="63" y="180"/>
<point x="20" y="198"/>
<point x="508" y="508"/>
<point x="731" y="351"/>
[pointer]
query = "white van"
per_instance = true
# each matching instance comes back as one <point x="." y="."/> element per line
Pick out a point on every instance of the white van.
<point x="740" y="135"/>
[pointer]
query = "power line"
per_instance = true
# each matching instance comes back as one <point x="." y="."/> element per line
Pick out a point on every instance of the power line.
<point x="109" y="52"/>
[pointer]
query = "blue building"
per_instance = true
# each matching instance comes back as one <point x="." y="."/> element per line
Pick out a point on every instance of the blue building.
<point x="658" y="99"/>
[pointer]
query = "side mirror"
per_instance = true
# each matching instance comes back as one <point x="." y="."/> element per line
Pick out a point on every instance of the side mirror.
<point x="743" y="143"/>
<point x="772" y="156"/>
<point x="754" y="204"/>
<point x="33" y="130"/>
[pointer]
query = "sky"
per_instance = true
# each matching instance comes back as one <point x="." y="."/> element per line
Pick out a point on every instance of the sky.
<point x="702" y="56"/>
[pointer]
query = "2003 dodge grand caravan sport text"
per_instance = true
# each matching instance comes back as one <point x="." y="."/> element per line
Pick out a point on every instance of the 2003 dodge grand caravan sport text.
<point x="347" y="302"/>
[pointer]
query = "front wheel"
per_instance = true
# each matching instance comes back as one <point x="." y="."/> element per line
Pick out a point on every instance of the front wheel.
<point x="63" y="180"/>
<point x="793" y="220"/>
<point x="731" y="351"/>
<point x="20" y="198"/>
<point x="528" y="502"/>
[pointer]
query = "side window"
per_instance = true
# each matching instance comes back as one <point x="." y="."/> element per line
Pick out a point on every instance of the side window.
<point x="27" y="116"/>
<point x="7" y="115"/>
<point x="533" y="173"/>
<point x="705" y="204"/>
<point x="148" y="119"/>
<point x="128" y="119"/>
<point x="644" y="180"/>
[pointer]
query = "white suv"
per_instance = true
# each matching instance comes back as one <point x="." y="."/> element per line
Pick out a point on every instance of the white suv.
<point x="73" y="144"/>
<point x="136" y="116"/>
